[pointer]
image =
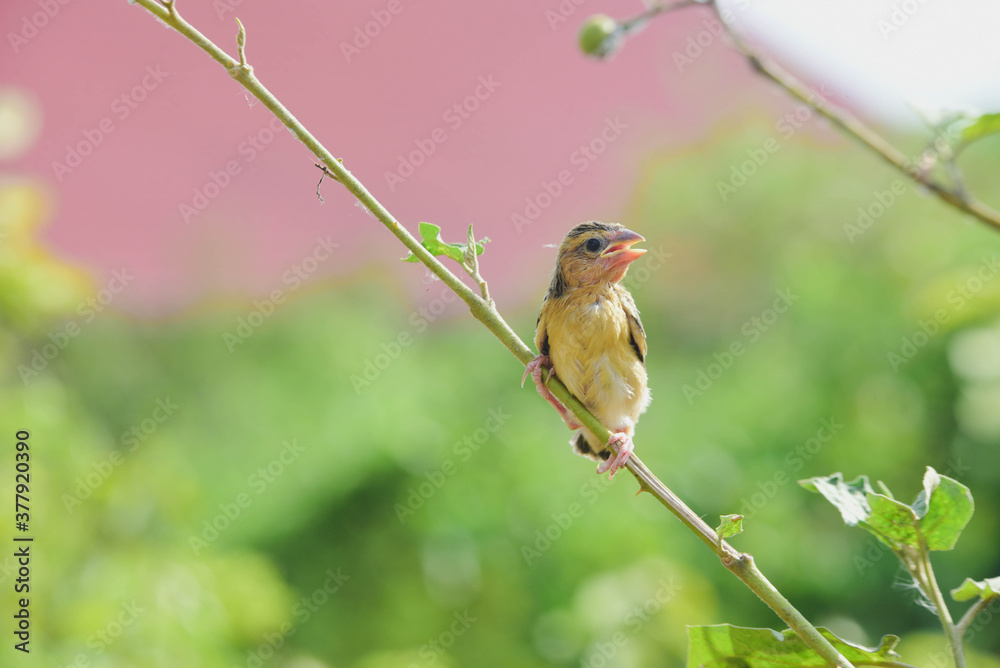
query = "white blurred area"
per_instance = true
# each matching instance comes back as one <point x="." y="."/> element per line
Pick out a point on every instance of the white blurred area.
<point x="886" y="59"/>
<point x="974" y="355"/>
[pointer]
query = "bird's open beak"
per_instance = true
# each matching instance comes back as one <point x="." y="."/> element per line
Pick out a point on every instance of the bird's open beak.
<point x="619" y="252"/>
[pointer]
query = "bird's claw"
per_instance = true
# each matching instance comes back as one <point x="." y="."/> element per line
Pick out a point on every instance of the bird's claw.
<point x="618" y="461"/>
<point x="534" y="367"/>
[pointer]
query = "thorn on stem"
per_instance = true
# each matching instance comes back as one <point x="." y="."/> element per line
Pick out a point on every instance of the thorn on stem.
<point x="318" y="185"/>
<point x="326" y="172"/>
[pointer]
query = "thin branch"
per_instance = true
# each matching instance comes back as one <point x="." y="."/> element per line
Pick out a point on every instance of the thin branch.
<point x="482" y="309"/>
<point x="956" y="195"/>
<point x="923" y="572"/>
<point x="970" y="615"/>
<point x="628" y="25"/>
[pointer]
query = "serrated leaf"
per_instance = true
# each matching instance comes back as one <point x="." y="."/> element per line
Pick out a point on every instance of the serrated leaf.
<point x="727" y="646"/>
<point x="892" y="522"/>
<point x="430" y="238"/>
<point x="731" y="525"/>
<point x="850" y="498"/>
<point x="985" y="589"/>
<point x="939" y="514"/>
<point x="985" y="125"/>
<point x="889" y="520"/>
<point x="944" y="507"/>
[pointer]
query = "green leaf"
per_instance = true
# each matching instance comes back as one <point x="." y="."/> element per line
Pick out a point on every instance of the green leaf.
<point x="985" y="125"/>
<point x="938" y="515"/>
<point x="430" y="238"/>
<point x="944" y="507"/>
<point x="731" y="525"/>
<point x="893" y="522"/>
<point x="729" y="646"/>
<point x="850" y="498"/>
<point x="985" y="589"/>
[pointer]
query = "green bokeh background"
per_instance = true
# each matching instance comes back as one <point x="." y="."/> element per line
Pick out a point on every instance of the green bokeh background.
<point x="439" y="505"/>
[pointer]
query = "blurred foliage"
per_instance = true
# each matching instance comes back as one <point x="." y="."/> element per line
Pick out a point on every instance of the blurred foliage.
<point x="333" y="494"/>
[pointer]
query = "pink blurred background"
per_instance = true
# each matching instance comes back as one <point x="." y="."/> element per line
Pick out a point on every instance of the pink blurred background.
<point x="159" y="118"/>
<point x="183" y="119"/>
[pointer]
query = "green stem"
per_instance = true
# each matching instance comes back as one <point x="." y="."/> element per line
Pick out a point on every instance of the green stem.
<point x="956" y="196"/>
<point x="853" y="127"/>
<point x="483" y="310"/>
<point x="970" y="615"/>
<point x="243" y="74"/>
<point x="925" y="577"/>
<point x="745" y="569"/>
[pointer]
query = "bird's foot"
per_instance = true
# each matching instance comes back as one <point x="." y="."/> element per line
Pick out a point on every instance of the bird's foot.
<point x="615" y="462"/>
<point x="534" y="367"/>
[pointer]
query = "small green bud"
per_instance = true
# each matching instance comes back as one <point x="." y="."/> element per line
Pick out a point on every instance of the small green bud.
<point x="600" y="36"/>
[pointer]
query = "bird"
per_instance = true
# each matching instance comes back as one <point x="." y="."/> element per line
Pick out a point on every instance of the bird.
<point x="589" y="334"/>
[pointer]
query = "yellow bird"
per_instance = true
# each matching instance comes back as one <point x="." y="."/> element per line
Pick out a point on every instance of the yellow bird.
<point x="590" y="336"/>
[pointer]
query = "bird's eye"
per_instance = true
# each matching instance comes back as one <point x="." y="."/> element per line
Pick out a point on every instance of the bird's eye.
<point x="593" y="245"/>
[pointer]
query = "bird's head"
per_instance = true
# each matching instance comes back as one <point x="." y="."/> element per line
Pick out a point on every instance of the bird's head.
<point x="595" y="253"/>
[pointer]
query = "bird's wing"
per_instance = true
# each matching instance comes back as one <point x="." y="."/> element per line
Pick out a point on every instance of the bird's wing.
<point x="637" y="333"/>
<point x="541" y="328"/>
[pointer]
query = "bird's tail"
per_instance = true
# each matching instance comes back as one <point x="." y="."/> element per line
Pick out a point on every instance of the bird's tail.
<point x="582" y="447"/>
